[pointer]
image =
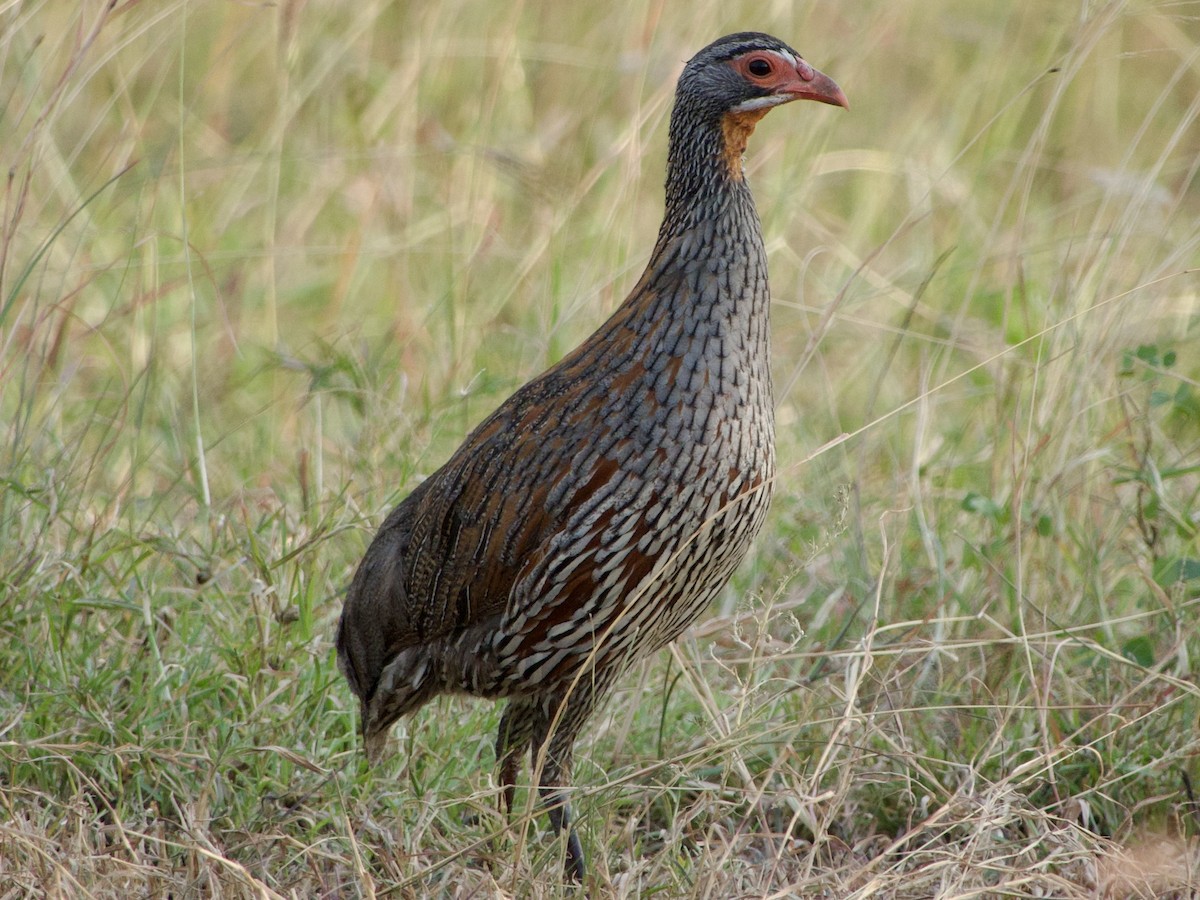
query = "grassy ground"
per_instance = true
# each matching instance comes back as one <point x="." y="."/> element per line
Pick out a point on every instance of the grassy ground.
<point x="262" y="266"/>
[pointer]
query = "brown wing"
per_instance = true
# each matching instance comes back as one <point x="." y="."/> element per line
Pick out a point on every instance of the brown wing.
<point x="447" y="557"/>
<point x="493" y="508"/>
<point x="486" y="515"/>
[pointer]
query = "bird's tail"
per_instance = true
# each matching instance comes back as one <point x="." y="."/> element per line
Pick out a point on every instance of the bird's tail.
<point x="406" y="684"/>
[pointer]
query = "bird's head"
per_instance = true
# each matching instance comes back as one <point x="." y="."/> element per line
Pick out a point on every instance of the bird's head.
<point x="751" y="71"/>
<point x="736" y="80"/>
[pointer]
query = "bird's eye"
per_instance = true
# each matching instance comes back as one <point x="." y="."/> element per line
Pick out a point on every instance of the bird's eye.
<point x="759" y="67"/>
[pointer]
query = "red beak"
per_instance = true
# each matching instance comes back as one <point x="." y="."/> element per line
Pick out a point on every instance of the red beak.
<point x="811" y="84"/>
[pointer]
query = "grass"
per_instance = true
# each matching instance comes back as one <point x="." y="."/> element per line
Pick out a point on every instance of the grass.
<point x="262" y="266"/>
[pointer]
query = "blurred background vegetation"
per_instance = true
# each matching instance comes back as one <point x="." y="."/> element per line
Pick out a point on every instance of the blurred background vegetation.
<point x="262" y="266"/>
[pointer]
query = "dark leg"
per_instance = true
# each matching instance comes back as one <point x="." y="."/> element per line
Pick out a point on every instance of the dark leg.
<point x="514" y="735"/>
<point x="560" y="820"/>
<point x="554" y="775"/>
<point x="555" y="763"/>
<point x="524" y="724"/>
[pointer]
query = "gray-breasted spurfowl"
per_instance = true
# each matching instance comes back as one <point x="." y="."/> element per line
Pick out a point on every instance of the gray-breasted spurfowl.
<point x="594" y="516"/>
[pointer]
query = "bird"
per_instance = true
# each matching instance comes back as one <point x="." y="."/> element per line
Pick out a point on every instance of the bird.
<point x="596" y="513"/>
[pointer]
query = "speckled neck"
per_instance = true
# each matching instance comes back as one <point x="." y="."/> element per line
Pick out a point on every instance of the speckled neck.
<point x="704" y="169"/>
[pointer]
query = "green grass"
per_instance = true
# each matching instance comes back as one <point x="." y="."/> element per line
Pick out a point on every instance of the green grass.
<point x="263" y="266"/>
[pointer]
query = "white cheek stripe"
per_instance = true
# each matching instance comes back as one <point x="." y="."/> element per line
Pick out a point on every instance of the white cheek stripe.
<point x="762" y="102"/>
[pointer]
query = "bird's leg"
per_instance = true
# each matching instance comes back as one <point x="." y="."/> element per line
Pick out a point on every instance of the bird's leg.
<point x="513" y="736"/>
<point x="553" y="752"/>
<point x="557" y="721"/>
<point x="555" y="776"/>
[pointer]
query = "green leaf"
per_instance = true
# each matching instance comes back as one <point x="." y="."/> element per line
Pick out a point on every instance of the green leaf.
<point x="1169" y="572"/>
<point x="977" y="503"/>
<point x="1139" y="650"/>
